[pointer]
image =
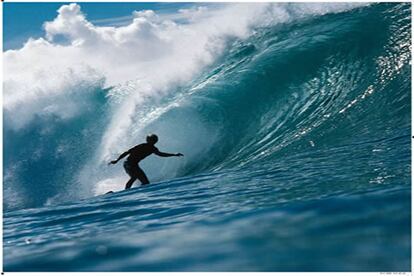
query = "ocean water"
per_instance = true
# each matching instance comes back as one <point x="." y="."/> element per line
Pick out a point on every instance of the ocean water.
<point x="297" y="144"/>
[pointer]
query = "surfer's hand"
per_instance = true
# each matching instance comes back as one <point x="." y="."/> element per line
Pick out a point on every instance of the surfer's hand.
<point x="179" y="154"/>
<point x="112" y="162"/>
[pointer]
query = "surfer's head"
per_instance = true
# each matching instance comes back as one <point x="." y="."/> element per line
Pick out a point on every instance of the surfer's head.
<point x="152" y="139"/>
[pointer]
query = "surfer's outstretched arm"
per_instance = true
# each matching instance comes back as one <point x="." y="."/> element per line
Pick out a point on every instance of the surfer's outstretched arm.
<point x="119" y="158"/>
<point x="164" y="154"/>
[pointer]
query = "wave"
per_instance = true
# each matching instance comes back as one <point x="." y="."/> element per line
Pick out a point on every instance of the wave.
<point x="317" y="80"/>
<point x="300" y="86"/>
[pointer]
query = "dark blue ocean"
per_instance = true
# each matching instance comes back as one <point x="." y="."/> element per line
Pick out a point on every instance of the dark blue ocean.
<point x="297" y="144"/>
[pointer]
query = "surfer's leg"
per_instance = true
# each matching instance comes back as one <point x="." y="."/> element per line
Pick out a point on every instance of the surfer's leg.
<point x="130" y="169"/>
<point x="129" y="183"/>
<point x="142" y="177"/>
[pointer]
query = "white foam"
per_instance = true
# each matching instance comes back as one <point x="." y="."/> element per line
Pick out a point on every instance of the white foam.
<point x="153" y="51"/>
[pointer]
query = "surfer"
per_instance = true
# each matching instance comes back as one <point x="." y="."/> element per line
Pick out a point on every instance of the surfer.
<point x="136" y="154"/>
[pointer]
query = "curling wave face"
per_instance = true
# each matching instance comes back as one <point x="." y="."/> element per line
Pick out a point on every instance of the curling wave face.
<point x="296" y="137"/>
<point x="163" y="76"/>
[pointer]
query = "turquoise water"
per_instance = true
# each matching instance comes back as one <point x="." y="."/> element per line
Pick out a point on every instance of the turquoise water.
<point x="307" y="163"/>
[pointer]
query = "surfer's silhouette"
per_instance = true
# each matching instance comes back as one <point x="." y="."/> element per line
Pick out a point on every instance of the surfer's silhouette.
<point x="136" y="154"/>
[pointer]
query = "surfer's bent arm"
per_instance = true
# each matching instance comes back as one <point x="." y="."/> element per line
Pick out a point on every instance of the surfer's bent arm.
<point x="164" y="154"/>
<point x="120" y="157"/>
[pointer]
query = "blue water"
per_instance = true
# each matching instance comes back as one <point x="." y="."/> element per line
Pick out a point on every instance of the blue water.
<point x="309" y="168"/>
